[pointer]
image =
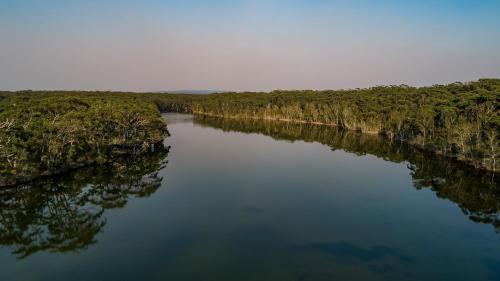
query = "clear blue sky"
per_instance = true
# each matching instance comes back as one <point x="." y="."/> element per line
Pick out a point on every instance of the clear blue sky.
<point x="245" y="45"/>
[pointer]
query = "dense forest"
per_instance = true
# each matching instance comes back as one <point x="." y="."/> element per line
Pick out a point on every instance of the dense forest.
<point x="459" y="120"/>
<point x="47" y="133"/>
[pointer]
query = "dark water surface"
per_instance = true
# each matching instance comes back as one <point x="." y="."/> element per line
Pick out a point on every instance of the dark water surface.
<point x="253" y="200"/>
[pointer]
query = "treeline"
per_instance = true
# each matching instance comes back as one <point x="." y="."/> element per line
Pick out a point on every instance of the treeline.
<point x="44" y="133"/>
<point x="476" y="193"/>
<point x="459" y="120"/>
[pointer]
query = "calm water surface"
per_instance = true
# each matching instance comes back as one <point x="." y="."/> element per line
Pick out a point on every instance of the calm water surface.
<point x="240" y="200"/>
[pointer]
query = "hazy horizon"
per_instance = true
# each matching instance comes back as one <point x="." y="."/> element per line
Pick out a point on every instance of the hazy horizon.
<point x="245" y="45"/>
<point x="203" y="91"/>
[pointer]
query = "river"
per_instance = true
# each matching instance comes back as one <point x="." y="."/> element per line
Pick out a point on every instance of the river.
<point x="255" y="200"/>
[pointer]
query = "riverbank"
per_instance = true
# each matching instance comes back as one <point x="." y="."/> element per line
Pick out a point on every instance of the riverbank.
<point x="44" y="134"/>
<point x="458" y="120"/>
<point x="428" y="150"/>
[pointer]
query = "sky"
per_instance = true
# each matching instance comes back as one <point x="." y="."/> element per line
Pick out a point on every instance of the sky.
<point x="245" y="45"/>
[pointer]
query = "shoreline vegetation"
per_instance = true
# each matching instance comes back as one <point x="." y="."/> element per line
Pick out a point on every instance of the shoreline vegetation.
<point x="459" y="120"/>
<point x="43" y="134"/>
<point x="48" y="132"/>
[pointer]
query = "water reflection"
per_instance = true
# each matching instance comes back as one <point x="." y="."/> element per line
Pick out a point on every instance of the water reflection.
<point x="379" y="259"/>
<point x="65" y="213"/>
<point x="476" y="193"/>
<point x="348" y="251"/>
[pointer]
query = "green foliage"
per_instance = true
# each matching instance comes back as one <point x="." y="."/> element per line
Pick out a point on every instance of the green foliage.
<point x="459" y="120"/>
<point x="46" y="133"/>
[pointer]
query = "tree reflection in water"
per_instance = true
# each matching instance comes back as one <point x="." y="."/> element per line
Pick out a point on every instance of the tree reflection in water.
<point x="65" y="213"/>
<point x="476" y="193"/>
